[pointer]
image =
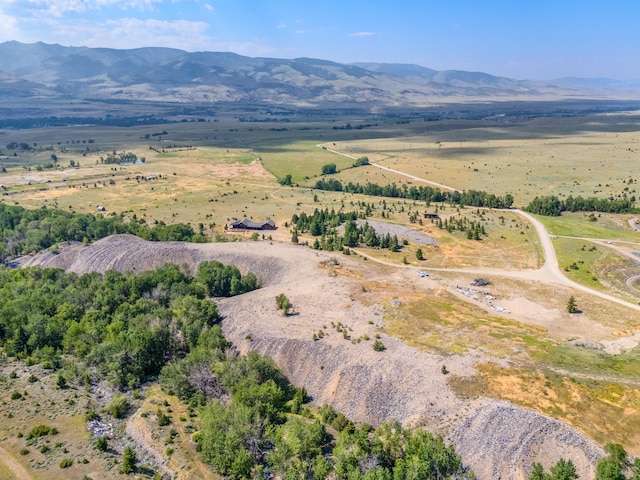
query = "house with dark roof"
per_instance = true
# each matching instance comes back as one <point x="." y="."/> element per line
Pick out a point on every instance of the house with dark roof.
<point x="247" y="224"/>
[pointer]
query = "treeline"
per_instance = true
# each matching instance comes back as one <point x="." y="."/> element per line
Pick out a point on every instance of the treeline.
<point x="473" y="198"/>
<point x="125" y="327"/>
<point x="552" y="206"/>
<point x="66" y="121"/>
<point x="24" y="231"/>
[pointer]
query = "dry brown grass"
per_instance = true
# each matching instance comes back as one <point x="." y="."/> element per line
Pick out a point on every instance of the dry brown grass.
<point x="605" y="411"/>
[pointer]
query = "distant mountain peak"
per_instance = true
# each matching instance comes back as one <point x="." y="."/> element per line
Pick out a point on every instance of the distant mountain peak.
<point x="153" y="73"/>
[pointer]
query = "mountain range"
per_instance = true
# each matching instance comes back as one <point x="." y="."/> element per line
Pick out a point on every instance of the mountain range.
<point x="42" y="70"/>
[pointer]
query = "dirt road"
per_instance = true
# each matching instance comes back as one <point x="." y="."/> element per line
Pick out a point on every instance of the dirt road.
<point x="550" y="271"/>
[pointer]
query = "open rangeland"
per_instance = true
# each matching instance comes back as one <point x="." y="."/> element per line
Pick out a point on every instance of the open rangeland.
<point x="507" y="343"/>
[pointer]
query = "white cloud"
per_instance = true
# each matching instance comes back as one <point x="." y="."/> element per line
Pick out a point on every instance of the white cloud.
<point x="10" y="30"/>
<point x="362" y="34"/>
<point x="125" y="33"/>
<point x="60" y="7"/>
<point x="209" y="7"/>
<point x="281" y="25"/>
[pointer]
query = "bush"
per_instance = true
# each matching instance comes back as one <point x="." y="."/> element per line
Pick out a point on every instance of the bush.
<point x="119" y="406"/>
<point x="102" y="444"/>
<point x="41" y="431"/>
<point x="66" y="463"/>
<point x="163" y="420"/>
<point x="378" y="346"/>
<point x="91" y="415"/>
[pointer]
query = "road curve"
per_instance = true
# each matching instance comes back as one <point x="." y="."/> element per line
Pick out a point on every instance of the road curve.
<point x="550" y="271"/>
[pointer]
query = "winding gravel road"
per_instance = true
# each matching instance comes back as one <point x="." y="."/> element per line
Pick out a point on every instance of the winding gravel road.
<point x="550" y="272"/>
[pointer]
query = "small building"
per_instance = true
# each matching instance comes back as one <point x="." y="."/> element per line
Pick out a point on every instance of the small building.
<point x="247" y="224"/>
<point x="433" y="216"/>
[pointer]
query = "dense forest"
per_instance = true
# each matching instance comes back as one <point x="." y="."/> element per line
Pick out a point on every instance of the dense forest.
<point x="552" y="206"/>
<point x="125" y="326"/>
<point x="24" y="231"/>
<point x="473" y="198"/>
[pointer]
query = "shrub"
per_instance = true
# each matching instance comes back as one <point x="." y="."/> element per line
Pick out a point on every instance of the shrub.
<point x="102" y="444"/>
<point x="61" y="382"/>
<point x="66" y="463"/>
<point x="378" y="346"/>
<point x="41" y="431"/>
<point x="91" y="415"/>
<point x="119" y="406"/>
<point x="163" y="420"/>
<point x="16" y="395"/>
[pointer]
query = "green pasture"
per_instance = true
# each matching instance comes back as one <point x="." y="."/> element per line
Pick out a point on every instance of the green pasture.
<point x="607" y="226"/>
<point x="301" y="159"/>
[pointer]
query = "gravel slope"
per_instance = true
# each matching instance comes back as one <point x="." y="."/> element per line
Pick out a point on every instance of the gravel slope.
<point x="497" y="439"/>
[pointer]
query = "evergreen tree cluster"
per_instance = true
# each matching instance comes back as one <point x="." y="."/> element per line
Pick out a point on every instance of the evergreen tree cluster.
<point x="24" y="231"/>
<point x="552" y="206"/>
<point x="473" y="198"/>
<point x="325" y="223"/>
<point x="475" y="230"/>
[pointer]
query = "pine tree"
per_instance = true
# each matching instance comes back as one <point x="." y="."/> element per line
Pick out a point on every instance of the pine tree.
<point x="128" y="461"/>
<point x="572" y="306"/>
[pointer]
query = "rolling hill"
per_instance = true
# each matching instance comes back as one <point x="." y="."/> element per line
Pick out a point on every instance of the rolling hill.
<point x="172" y="75"/>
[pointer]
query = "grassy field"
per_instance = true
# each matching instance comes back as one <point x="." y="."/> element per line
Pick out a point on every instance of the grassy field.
<point x="608" y="226"/>
<point x="560" y="156"/>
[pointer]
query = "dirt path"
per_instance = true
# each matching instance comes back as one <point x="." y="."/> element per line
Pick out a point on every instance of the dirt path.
<point x="413" y="177"/>
<point x="550" y="271"/>
<point x="12" y="464"/>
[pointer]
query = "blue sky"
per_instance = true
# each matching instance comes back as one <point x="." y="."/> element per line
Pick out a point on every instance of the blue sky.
<point x="523" y="39"/>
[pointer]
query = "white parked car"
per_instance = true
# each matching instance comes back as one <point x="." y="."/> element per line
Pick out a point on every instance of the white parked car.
<point x="423" y="274"/>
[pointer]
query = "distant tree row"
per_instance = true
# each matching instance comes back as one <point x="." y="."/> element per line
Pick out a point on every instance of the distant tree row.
<point x="473" y="198"/>
<point x="65" y="121"/>
<point x="23" y="231"/>
<point x="552" y="206"/>
<point x="122" y="157"/>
